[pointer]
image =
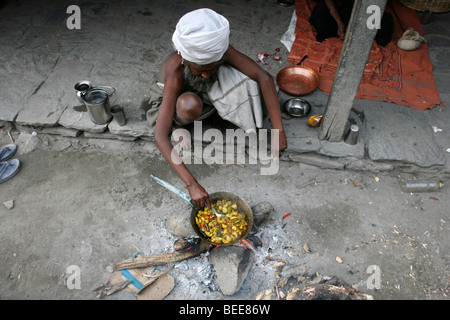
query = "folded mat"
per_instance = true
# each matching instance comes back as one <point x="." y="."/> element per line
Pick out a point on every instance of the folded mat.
<point x="391" y="74"/>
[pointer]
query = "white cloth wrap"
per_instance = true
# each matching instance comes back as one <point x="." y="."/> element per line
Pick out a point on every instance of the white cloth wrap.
<point x="237" y="99"/>
<point x="202" y="36"/>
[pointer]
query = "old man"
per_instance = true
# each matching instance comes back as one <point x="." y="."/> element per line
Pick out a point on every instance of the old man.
<point x="204" y="75"/>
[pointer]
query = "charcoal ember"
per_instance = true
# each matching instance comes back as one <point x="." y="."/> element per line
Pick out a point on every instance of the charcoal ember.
<point x="185" y="243"/>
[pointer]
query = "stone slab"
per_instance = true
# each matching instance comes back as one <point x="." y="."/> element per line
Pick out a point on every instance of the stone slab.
<point x="136" y="125"/>
<point x="438" y="117"/>
<point x="46" y="105"/>
<point x="398" y="133"/>
<point x="317" y="160"/>
<point x="303" y="139"/>
<point x="61" y="131"/>
<point x="14" y="93"/>
<point x="131" y="80"/>
<point x="78" y="118"/>
<point x="21" y="73"/>
<point x="107" y="135"/>
<point x="300" y="137"/>
<point x="342" y="149"/>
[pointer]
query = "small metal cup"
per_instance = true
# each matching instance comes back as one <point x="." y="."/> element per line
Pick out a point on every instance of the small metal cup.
<point x="80" y="88"/>
<point x="352" y="136"/>
<point x="119" y="115"/>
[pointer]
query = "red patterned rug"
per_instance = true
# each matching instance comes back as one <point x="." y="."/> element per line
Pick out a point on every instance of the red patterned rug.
<point x="391" y="74"/>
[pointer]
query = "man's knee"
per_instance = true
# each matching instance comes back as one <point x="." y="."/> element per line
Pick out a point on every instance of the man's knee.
<point x="188" y="108"/>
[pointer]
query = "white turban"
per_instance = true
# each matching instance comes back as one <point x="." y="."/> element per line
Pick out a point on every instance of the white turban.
<point x="202" y="36"/>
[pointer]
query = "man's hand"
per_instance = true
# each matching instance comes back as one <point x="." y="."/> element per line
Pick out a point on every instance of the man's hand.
<point x="341" y="31"/>
<point x="199" y="196"/>
<point x="282" y="141"/>
<point x="278" y="146"/>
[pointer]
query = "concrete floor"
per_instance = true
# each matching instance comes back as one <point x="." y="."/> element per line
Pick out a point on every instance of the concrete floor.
<point x="92" y="208"/>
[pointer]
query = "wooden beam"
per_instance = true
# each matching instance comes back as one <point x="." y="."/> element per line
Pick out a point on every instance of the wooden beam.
<point x="355" y="52"/>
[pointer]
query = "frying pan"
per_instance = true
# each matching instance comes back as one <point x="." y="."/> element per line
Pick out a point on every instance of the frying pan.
<point x="242" y="207"/>
<point x="297" y="80"/>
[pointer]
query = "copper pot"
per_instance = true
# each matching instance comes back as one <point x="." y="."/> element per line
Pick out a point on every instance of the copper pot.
<point x="297" y="80"/>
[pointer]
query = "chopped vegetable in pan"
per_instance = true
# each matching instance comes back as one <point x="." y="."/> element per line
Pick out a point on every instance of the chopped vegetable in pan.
<point x="225" y="229"/>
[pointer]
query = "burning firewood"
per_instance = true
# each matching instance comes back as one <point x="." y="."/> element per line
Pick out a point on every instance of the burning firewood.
<point x="326" y="292"/>
<point x="306" y="286"/>
<point x="185" y="243"/>
<point x="196" y="249"/>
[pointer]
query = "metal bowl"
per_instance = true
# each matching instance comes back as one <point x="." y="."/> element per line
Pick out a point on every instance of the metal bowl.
<point x="297" y="107"/>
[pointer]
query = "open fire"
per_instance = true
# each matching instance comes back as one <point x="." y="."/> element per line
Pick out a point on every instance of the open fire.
<point x="205" y="271"/>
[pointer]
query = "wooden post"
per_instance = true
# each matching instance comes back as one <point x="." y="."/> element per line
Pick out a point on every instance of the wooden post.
<point x="358" y="42"/>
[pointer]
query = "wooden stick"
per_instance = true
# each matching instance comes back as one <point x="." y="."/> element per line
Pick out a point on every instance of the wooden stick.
<point x="109" y="289"/>
<point x="141" y="262"/>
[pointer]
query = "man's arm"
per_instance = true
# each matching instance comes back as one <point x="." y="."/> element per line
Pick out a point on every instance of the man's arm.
<point x="335" y="14"/>
<point x="250" y="68"/>
<point x="173" y="83"/>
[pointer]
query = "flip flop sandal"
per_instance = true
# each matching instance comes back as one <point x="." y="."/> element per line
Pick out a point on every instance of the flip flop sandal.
<point x="6" y="152"/>
<point x="8" y="169"/>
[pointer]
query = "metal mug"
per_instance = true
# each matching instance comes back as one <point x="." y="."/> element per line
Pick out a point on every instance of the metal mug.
<point x="97" y="103"/>
<point x="80" y="88"/>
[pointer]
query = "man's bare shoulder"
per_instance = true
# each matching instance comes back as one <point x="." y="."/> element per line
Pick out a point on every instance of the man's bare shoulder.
<point x="174" y="59"/>
<point x="170" y="67"/>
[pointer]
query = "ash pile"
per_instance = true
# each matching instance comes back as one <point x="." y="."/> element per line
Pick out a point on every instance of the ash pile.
<point x="263" y="266"/>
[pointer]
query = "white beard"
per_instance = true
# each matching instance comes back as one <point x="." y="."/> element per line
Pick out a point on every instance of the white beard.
<point x="198" y="83"/>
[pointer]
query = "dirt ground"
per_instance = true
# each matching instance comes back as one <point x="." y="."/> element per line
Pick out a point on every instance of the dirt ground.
<point x="92" y="204"/>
